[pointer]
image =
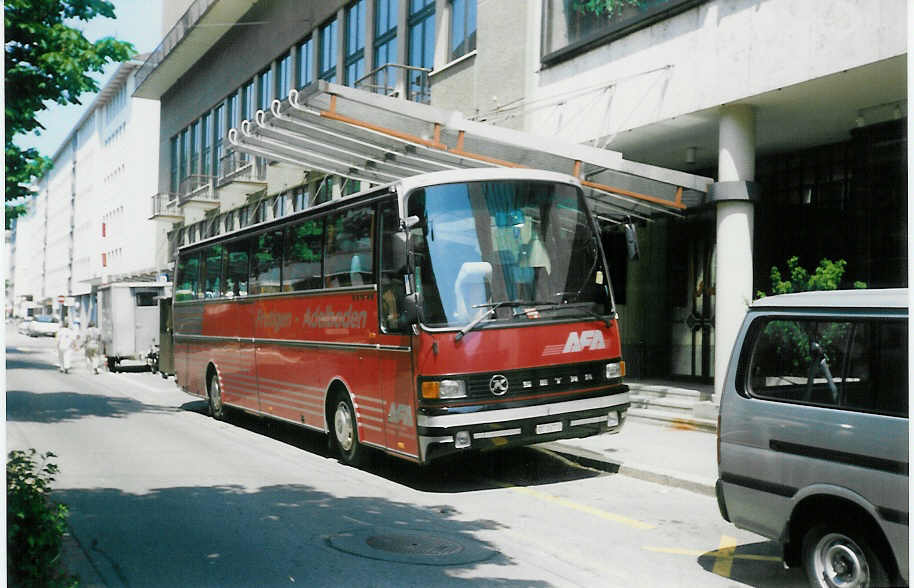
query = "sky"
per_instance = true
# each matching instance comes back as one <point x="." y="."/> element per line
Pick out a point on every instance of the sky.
<point x="139" y="22"/>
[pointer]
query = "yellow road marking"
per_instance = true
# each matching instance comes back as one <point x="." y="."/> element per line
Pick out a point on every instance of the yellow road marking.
<point x="717" y="553"/>
<point x="577" y="506"/>
<point x="724" y="561"/>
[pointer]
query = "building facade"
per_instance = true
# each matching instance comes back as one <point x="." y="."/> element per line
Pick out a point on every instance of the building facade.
<point x="88" y="223"/>
<point x="797" y="110"/>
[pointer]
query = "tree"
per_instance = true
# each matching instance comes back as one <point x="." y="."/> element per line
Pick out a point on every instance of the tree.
<point x="608" y="8"/>
<point x="47" y="60"/>
<point x="827" y="276"/>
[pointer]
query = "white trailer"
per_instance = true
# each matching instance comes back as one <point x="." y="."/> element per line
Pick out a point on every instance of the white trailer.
<point x="129" y="320"/>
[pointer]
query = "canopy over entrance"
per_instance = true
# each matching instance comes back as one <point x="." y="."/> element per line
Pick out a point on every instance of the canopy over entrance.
<point x="363" y="136"/>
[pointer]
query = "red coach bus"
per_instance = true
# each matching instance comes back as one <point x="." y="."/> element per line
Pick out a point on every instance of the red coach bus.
<point x="446" y="312"/>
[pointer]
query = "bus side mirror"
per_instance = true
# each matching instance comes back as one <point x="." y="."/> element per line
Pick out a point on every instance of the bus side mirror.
<point x="411" y="304"/>
<point x="631" y="240"/>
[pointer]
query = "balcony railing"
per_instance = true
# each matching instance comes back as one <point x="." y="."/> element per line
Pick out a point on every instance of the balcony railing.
<point x="239" y="167"/>
<point x="165" y="204"/>
<point x="196" y="187"/>
<point x="394" y="79"/>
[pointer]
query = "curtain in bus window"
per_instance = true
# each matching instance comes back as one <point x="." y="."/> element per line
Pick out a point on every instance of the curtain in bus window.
<point x="212" y="271"/>
<point x="266" y="263"/>
<point x="188" y="275"/>
<point x="237" y="267"/>
<point x="348" y="260"/>
<point x="301" y="269"/>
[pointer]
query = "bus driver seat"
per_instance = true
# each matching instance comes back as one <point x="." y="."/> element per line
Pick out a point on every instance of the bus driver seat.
<point x="472" y="286"/>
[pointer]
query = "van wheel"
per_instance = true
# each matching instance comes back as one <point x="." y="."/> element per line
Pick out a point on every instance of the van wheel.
<point x="833" y="556"/>
<point x="214" y="396"/>
<point x="344" y="433"/>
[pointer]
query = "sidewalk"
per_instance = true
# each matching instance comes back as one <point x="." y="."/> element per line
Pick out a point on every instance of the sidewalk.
<point x="668" y="453"/>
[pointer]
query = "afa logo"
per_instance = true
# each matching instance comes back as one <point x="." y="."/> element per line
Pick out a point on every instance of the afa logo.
<point x="592" y="340"/>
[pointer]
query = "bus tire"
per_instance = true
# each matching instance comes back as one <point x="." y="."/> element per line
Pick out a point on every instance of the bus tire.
<point x="214" y="397"/>
<point x="344" y="433"/>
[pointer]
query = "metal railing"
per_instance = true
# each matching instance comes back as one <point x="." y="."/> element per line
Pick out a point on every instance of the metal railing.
<point x="235" y="167"/>
<point x="165" y="204"/>
<point x="395" y="80"/>
<point x="196" y="187"/>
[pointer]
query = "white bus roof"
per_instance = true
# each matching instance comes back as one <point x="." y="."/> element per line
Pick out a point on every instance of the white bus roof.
<point x="482" y="174"/>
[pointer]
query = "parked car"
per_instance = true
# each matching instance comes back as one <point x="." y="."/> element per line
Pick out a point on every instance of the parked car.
<point x="23" y="327"/>
<point x="813" y="433"/>
<point x="44" y="326"/>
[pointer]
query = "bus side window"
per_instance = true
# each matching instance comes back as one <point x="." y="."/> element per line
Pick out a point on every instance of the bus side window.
<point x="212" y="271"/>
<point x="301" y="265"/>
<point x="188" y="276"/>
<point x="393" y="289"/>
<point x="237" y="266"/>
<point x="348" y="258"/>
<point x="266" y="263"/>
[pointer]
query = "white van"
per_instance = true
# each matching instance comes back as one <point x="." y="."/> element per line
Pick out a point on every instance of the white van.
<point x="813" y="433"/>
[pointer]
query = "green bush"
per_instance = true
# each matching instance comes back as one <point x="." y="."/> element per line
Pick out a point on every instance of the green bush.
<point x="34" y="525"/>
<point x="827" y="276"/>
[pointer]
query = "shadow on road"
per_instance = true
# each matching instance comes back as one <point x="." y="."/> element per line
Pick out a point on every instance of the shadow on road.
<point x="523" y="466"/>
<point x="753" y="564"/>
<point x="56" y="407"/>
<point x="276" y="535"/>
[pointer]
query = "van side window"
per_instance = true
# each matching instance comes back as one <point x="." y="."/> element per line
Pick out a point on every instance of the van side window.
<point x="853" y="364"/>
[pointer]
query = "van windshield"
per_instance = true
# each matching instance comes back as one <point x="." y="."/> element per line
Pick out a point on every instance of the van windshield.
<point x="526" y="247"/>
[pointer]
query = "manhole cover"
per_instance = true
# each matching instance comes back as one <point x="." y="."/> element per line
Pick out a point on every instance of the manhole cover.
<point x="411" y="546"/>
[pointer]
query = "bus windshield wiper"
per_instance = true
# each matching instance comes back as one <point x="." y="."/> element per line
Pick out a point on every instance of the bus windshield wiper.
<point x="489" y="309"/>
<point x="581" y="306"/>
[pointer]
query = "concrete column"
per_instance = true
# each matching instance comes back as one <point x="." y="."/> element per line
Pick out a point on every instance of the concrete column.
<point x="733" y="195"/>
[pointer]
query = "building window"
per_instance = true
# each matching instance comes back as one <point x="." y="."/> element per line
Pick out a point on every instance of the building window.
<point x="328" y="52"/>
<point x="175" y="164"/>
<point x="195" y="148"/>
<point x="385" y="45"/>
<point x="463" y="27"/>
<point x="421" y="25"/>
<point x="355" y="42"/>
<point x="283" y="77"/>
<point x="229" y="221"/>
<point x="300" y="199"/>
<point x="219" y="134"/>
<point x="185" y="153"/>
<point x="569" y="28"/>
<point x="248" y="100"/>
<point x="305" y="58"/>
<point x="206" y="143"/>
<point x="265" y="89"/>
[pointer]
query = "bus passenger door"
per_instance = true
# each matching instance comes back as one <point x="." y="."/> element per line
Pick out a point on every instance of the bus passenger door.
<point x="395" y="369"/>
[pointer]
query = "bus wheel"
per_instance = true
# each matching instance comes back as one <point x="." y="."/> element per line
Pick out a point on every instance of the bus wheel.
<point x="216" y="408"/>
<point x="344" y="433"/>
<point x="837" y="557"/>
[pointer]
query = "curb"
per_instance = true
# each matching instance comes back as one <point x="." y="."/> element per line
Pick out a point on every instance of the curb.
<point x="598" y="461"/>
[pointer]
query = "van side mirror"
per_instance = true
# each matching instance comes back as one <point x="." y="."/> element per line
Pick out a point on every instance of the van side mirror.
<point x="631" y="240"/>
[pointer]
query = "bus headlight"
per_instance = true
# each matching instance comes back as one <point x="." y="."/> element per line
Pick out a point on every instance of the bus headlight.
<point x="444" y="390"/>
<point x="615" y="370"/>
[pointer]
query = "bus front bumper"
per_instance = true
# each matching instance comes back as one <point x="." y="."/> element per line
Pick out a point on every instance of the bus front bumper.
<point x="441" y="435"/>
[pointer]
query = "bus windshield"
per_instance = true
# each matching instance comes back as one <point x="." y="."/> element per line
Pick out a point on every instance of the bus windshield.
<point x="520" y="250"/>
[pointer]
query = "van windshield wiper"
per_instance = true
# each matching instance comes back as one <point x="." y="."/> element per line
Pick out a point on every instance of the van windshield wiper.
<point x="489" y="309"/>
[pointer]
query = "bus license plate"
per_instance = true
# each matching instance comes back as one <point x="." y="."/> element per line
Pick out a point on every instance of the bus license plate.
<point x="549" y="428"/>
